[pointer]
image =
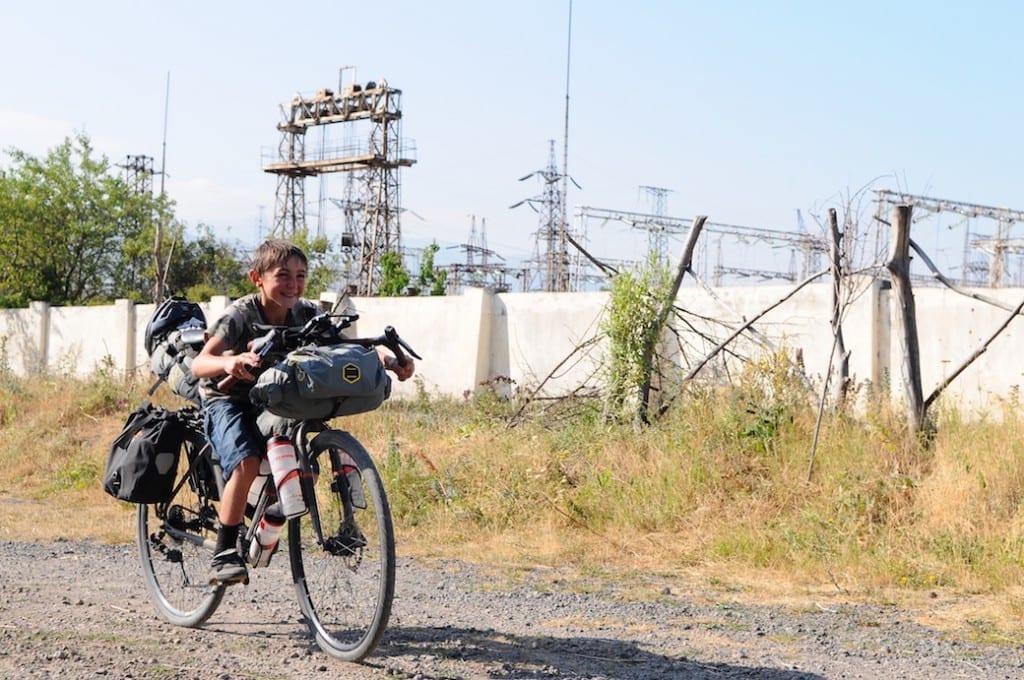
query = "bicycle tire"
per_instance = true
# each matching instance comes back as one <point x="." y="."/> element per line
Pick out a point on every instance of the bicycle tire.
<point x="175" y="542"/>
<point x="345" y="595"/>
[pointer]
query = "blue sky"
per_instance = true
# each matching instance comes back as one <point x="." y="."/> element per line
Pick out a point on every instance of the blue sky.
<point x="744" y="111"/>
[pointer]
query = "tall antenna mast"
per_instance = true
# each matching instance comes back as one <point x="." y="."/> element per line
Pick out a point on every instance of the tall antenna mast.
<point x="158" y="245"/>
<point x="559" y="270"/>
<point x="163" y="154"/>
<point x="565" y="134"/>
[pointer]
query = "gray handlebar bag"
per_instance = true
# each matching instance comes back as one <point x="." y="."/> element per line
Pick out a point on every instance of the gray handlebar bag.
<point x="317" y="383"/>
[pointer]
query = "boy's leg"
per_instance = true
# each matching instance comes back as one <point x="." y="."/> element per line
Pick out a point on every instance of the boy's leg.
<point x="232" y="433"/>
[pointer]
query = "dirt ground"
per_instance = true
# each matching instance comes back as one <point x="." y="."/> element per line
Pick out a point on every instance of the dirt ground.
<point x="79" y="610"/>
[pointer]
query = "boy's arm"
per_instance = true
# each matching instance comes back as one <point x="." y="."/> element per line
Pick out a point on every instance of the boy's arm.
<point x="212" y="361"/>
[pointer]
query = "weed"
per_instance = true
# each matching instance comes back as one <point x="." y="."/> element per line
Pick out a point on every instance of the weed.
<point x="80" y="474"/>
<point x="718" y="484"/>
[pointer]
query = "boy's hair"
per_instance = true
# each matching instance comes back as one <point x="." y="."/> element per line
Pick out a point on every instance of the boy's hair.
<point x="274" y="253"/>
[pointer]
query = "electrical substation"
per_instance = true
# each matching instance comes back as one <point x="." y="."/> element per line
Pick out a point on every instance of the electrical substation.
<point x="356" y="130"/>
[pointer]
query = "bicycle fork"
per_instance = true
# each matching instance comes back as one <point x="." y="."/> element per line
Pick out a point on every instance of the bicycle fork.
<point x="347" y="540"/>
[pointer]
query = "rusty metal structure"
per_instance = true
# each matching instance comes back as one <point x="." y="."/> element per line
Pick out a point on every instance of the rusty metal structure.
<point x="373" y="161"/>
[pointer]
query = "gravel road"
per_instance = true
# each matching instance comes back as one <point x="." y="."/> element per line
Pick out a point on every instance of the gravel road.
<point x="79" y="610"/>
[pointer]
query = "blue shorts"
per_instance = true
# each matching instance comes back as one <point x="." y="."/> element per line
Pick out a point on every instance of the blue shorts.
<point x="232" y="432"/>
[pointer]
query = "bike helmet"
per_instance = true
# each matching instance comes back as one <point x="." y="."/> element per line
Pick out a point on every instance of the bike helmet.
<point x="171" y="314"/>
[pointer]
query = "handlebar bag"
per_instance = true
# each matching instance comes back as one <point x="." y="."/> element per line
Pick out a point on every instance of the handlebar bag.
<point x="323" y="382"/>
<point x="143" y="458"/>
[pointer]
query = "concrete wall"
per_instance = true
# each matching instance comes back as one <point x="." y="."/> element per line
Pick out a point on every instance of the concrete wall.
<point x="952" y="328"/>
<point x="469" y="339"/>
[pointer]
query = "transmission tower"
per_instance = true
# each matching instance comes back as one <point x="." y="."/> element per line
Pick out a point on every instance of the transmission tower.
<point x="477" y="270"/>
<point x="657" y="229"/>
<point x="138" y="174"/>
<point x="558" y="268"/>
<point x="374" y="163"/>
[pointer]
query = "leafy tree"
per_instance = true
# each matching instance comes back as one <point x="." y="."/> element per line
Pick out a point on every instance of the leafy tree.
<point x="394" y="275"/>
<point x="73" y="232"/>
<point x="431" y="278"/>
<point x="205" y="266"/>
<point x="64" y="223"/>
<point x="136" y="277"/>
<point x="633" y="305"/>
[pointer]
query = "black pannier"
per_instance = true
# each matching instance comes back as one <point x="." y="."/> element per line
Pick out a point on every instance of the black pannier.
<point x="143" y="459"/>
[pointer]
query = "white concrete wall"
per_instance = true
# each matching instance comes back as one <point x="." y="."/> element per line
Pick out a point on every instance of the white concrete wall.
<point x="23" y="338"/>
<point x="449" y="332"/>
<point x="535" y="333"/>
<point x="801" y="323"/>
<point x="469" y="339"/>
<point x="951" y="328"/>
<point x="83" y="339"/>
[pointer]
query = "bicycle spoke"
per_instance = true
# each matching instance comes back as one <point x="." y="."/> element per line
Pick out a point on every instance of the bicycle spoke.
<point x="174" y="542"/>
<point x="345" y="585"/>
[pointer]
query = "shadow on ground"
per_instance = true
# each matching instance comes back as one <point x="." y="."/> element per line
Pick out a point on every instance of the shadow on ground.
<point x="501" y="655"/>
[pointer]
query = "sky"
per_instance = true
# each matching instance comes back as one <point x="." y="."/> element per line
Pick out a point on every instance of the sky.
<point x="740" y="110"/>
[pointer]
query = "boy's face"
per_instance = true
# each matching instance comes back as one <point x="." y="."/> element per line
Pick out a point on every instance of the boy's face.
<point x="283" y="284"/>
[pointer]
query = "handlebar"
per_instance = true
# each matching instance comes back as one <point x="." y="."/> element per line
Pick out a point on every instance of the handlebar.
<point x="390" y="339"/>
<point x="321" y="330"/>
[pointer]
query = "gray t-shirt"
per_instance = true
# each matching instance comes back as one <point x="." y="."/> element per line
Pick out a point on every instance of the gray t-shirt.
<point x="236" y="328"/>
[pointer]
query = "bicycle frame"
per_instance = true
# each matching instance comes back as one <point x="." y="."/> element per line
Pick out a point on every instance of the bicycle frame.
<point x="341" y="552"/>
<point x="163" y="510"/>
<point x="299" y="433"/>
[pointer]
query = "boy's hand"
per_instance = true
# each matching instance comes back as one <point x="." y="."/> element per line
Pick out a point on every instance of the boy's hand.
<point x="239" y="366"/>
<point x="402" y="371"/>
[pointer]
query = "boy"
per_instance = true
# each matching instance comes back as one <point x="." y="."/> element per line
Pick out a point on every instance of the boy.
<point x="279" y="271"/>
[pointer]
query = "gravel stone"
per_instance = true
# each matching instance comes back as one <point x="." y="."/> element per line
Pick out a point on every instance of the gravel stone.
<point x="79" y="610"/>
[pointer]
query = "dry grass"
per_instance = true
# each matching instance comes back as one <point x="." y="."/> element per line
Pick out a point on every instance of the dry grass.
<point x="713" y="500"/>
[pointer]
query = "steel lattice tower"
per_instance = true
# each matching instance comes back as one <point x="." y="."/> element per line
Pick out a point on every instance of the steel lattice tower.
<point x="375" y="222"/>
<point x="554" y="263"/>
<point x="997" y="247"/>
<point x="138" y="173"/>
<point x="657" y="233"/>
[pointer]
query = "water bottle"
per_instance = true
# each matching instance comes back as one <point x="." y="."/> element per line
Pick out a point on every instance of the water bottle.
<point x="285" y="469"/>
<point x="256" y="488"/>
<point x="267" y="534"/>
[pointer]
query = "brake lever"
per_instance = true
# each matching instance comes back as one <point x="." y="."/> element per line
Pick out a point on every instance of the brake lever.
<point x="396" y="344"/>
<point x="261" y="346"/>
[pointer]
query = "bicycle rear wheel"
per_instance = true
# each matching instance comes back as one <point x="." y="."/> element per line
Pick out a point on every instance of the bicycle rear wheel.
<point x="345" y="584"/>
<point x="175" y="541"/>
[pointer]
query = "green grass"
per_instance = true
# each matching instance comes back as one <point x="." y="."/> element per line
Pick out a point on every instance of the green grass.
<point x="718" y="486"/>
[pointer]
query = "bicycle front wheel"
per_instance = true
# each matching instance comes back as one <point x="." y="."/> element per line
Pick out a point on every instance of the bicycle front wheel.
<point x="346" y="581"/>
<point x="176" y="541"/>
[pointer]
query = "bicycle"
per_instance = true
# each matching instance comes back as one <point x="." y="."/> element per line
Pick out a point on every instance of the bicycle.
<point x="341" y="552"/>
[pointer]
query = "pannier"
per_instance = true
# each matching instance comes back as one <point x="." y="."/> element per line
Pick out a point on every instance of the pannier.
<point x="174" y="336"/>
<point x="143" y="459"/>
